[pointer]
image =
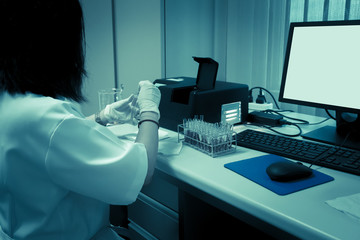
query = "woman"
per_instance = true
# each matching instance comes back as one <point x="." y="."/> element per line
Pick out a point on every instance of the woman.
<point x="59" y="171"/>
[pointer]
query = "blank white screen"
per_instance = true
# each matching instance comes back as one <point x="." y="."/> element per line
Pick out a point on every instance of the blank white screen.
<point x="324" y="66"/>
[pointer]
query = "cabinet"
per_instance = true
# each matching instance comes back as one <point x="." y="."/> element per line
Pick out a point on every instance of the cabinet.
<point x="154" y="215"/>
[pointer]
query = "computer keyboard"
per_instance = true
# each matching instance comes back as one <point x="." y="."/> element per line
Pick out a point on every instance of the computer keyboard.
<point x="334" y="157"/>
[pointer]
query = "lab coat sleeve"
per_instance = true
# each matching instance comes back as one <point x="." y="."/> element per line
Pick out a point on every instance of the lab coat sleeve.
<point x="88" y="159"/>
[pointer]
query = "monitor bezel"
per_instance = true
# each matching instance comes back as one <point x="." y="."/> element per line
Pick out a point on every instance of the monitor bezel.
<point x="286" y="62"/>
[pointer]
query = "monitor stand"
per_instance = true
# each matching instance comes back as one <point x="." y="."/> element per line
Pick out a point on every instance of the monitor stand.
<point x="338" y="135"/>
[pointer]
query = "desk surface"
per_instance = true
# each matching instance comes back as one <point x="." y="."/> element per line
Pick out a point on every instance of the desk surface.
<point x="303" y="214"/>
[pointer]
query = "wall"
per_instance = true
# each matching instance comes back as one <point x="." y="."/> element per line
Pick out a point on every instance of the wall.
<point x="138" y="42"/>
<point x="123" y="45"/>
<point x="99" y="51"/>
<point x="248" y="37"/>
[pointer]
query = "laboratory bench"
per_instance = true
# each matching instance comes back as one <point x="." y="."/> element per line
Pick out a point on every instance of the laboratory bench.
<point x="193" y="196"/>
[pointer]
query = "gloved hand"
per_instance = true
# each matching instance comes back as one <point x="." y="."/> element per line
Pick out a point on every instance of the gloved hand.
<point x="149" y="98"/>
<point x="123" y="111"/>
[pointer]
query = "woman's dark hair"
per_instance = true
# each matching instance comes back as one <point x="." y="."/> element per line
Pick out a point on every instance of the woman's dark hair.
<point x="42" y="47"/>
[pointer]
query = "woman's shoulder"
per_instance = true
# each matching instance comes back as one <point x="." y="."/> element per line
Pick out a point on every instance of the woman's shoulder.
<point x="39" y="105"/>
<point x="29" y="109"/>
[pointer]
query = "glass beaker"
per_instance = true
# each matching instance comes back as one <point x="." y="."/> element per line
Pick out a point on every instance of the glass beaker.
<point x="108" y="96"/>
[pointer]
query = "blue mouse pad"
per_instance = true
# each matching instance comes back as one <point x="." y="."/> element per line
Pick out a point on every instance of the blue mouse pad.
<point x="255" y="170"/>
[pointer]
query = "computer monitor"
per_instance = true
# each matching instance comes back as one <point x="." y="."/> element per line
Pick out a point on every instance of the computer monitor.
<point x="322" y="69"/>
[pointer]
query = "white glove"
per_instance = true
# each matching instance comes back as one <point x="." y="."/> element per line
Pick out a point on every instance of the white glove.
<point x="123" y="111"/>
<point x="149" y="98"/>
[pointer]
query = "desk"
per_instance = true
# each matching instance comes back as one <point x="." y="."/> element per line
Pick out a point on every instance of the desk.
<point x="303" y="215"/>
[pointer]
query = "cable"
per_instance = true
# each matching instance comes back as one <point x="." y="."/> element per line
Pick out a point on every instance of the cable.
<point x="278" y="112"/>
<point x="261" y="88"/>
<point x="284" y="122"/>
<point x="277" y="106"/>
<point x="302" y="121"/>
<point x="269" y="120"/>
<point x="322" y="121"/>
<point x="291" y="124"/>
<point x="261" y="98"/>
<point x="328" y="113"/>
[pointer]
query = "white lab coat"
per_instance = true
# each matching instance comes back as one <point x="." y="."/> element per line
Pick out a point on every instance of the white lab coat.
<point x="59" y="172"/>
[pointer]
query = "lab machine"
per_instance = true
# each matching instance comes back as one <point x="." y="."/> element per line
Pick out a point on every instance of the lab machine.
<point x="187" y="97"/>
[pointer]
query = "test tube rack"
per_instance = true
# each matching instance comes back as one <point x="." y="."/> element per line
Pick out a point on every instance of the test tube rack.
<point x="213" y="145"/>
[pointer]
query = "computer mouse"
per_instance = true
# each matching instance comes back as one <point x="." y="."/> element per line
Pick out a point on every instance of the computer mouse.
<point x="286" y="171"/>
